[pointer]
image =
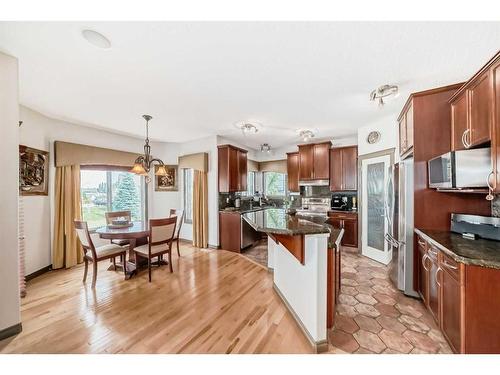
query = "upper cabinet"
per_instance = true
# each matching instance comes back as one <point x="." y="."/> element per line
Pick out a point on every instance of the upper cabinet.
<point x="405" y="121"/>
<point x="314" y="161"/>
<point x="344" y="168"/>
<point x="475" y="110"/>
<point x="292" y="166"/>
<point x="232" y="162"/>
<point x="471" y="113"/>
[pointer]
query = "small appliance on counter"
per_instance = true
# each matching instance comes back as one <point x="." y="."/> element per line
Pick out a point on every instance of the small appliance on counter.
<point x="343" y="202"/>
<point x="474" y="226"/>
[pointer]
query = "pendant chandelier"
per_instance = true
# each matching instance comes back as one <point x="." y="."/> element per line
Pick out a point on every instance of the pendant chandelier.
<point x="143" y="163"/>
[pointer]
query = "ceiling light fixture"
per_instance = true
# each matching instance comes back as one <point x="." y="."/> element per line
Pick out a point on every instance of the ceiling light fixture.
<point x="384" y="91"/>
<point x="143" y="163"/>
<point x="248" y="128"/>
<point x="96" y="39"/>
<point x="306" y="135"/>
<point x="265" y="147"/>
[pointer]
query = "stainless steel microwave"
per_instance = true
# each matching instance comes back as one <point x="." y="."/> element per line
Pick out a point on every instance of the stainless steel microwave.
<point x="460" y="169"/>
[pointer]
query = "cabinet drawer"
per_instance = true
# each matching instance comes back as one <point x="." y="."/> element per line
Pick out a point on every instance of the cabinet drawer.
<point x="450" y="265"/>
<point x="343" y="215"/>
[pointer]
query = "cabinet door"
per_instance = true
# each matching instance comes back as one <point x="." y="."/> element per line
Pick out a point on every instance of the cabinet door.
<point x="336" y="223"/>
<point x="402" y="135"/>
<point x="350" y="168"/>
<point x="306" y="161"/>
<point x="433" y="302"/>
<point x="292" y="166"/>
<point x="423" y="271"/>
<point x="409" y="127"/>
<point x="495" y="141"/>
<point x="480" y="97"/>
<point x="459" y="123"/>
<point x="350" y="233"/>
<point x="242" y="171"/>
<point x="321" y="161"/>
<point x="230" y="231"/>
<point x="335" y="169"/>
<point x="450" y="309"/>
<point x="234" y="182"/>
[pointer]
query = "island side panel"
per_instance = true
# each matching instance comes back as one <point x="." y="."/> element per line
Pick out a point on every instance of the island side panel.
<point x="304" y="287"/>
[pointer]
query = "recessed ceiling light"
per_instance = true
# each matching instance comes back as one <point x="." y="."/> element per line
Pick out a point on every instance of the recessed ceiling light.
<point x="96" y="39"/>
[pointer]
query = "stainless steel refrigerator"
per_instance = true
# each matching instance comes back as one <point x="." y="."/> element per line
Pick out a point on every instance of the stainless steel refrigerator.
<point x="399" y="213"/>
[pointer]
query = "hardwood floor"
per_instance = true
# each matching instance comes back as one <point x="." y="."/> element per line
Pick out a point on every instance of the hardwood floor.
<point x="214" y="302"/>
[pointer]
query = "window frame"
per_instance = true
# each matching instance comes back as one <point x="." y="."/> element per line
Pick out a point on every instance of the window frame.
<point x="187" y="219"/>
<point x="109" y="192"/>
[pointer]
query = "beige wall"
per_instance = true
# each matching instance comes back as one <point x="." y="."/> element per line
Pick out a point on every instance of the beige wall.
<point x="9" y="264"/>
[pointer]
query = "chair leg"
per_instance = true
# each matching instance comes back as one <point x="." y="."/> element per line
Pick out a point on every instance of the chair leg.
<point x="94" y="274"/>
<point x="114" y="263"/>
<point x="178" y="252"/>
<point x="86" y="269"/>
<point x="149" y="268"/>
<point x="124" y="266"/>
<point x="170" y="260"/>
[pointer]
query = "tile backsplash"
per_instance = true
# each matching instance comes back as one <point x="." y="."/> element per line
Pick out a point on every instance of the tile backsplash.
<point x="495" y="206"/>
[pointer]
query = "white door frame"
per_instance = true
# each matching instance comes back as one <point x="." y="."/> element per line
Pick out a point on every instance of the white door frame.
<point x="361" y="207"/>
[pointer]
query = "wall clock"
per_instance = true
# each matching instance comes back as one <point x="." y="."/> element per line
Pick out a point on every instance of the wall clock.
<point x="373" y="137"/>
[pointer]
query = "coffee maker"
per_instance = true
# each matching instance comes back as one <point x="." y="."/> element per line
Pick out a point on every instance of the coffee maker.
<point x="343" y="202"/>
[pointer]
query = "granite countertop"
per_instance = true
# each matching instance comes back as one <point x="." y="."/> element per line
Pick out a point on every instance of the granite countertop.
<point x="480" y="252"/>
<point x="344" y="211"/>
<point x="244" y="210"/>
<point x="277" y="221"/>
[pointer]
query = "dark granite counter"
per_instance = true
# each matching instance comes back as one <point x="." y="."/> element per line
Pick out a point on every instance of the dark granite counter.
<point x="277" y="221"/>
<point x="485" y="253"/>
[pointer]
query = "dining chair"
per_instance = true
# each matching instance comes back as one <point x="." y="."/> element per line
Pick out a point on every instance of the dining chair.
<point x="161" y="235"/>
<point x="180" y="218"/>
<point x="96" y="254"/>
<point x="111" y="215"/>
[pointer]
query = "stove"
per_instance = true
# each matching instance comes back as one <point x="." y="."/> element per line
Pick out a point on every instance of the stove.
<point x="314" y="207"/>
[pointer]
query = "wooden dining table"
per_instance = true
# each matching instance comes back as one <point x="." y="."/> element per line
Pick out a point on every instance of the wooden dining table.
<point x="139" y="230"/>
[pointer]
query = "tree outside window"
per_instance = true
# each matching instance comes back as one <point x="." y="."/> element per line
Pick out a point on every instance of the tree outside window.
<point x="274" y="184"/>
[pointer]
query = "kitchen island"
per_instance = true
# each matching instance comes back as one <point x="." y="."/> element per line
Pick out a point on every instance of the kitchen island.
<point x="304" y="255"/>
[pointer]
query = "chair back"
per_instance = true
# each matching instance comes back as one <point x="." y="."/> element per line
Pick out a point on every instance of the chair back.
<point x="180" y="218"/>
<point x="161" y="230"/>
<point x="111" y="215"/>
<point x="82" y="231"/>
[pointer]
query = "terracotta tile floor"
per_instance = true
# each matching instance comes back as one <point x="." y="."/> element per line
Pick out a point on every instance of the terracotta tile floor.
<point x="257" y="253"/>
<point x="374" y="317"/>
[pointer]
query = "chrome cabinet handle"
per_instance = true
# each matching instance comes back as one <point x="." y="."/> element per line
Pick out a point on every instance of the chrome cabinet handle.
<point x="489" y="196"/>
<point x="433" y="252"/>
<point x="451" y="266"/>
<point x="436" y="276"/>
<point x="464" y="138"/>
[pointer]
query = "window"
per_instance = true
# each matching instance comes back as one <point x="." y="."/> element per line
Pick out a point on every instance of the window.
<point x="107" y="190"/>
<point x="274" y="184"/>
<point x="188" y="196"/>
<point x="250" y="184"/>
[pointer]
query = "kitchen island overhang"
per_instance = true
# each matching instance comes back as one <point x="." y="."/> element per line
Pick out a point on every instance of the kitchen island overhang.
<point x="300" y="253"/>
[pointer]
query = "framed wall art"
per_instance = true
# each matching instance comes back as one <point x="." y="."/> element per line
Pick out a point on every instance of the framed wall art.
<point x="169" y="181"/>
<point x="33" y="171"/>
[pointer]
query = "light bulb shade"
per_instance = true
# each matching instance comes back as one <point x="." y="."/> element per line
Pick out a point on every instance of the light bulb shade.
<point x="139" y="169"/>
<point x="161" y="171"/>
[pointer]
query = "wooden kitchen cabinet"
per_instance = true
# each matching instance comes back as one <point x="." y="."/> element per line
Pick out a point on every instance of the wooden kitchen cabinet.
<point x="433" y="293"/>
<point x="229" y="231"/>
<point x="451" y="282"/>
<point x="306" y="162"/>
<point x="344" y="168"/>
<point x="405" y="121"/>
<point x="314" y="161"/>
<point x="321" y="159"/>
<point x="423" y="271"/>
<point x="348" y="221"/>
<point x="292" y="166"/>
<point x="459" y="123"/>
<point x="232" y="163"/>
<point x="480" y="99"/>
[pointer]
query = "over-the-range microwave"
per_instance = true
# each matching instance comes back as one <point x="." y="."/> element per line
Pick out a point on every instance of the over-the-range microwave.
<point x="460" y="169"/>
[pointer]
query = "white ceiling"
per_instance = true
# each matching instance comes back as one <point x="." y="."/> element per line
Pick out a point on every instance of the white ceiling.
<point x="200" y="78"/>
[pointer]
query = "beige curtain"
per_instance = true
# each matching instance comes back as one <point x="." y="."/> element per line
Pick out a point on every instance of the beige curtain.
<point x="66" y="250"/>
<point x="200" y="209"/>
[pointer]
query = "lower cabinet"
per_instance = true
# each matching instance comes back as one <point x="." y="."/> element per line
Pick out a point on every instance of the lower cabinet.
<point x="348" y="221"/>
<point x="464" y="299"/>
<point x="230" y="231"/>
<point x="450" y="308"/>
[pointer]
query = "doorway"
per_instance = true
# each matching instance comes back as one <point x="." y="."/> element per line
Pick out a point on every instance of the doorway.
<point x="374" y="223"/>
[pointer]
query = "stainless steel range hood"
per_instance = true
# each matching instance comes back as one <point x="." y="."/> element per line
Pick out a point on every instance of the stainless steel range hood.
<point x="314" y="182"/>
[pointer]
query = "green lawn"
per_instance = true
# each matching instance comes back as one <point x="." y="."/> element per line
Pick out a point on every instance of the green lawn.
<point x="94" y="216"/>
